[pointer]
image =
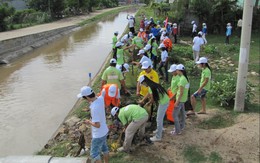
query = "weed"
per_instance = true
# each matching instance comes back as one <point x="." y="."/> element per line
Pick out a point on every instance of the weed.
<point x="193" y="154"/>
<point x="214" y="157"/>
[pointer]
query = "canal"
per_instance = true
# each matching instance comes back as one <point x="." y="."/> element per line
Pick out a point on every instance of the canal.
<point x="38" y="90"/>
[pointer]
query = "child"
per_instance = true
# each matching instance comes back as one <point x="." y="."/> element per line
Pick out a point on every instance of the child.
<point x="204" y="85"/>
<point x="163" y="62"/>
<point x="228" y="32"/>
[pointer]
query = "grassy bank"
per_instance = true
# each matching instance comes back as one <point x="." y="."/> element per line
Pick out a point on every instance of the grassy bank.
<point x="224" y="60"/>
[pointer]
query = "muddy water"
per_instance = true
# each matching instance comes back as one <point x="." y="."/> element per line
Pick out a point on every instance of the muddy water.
<point x="38" y="90"/>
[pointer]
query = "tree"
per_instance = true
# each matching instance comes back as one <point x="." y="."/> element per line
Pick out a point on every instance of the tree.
<point x="5" y="11"/>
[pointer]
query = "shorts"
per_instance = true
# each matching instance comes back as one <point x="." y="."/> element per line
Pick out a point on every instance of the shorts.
<point x="98" y="145"/>
<point x="202" y="94"/>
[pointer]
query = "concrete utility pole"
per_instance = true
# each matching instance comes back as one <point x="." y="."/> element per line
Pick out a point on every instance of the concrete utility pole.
<point x="244" y="55"/>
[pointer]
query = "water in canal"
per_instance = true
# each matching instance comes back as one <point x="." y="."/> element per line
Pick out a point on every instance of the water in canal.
<point x="38" y="90"/>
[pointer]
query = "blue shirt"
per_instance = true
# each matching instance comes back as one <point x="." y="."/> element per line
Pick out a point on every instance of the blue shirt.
<point x="155" y="31"/>
<point x="228" y="31"/>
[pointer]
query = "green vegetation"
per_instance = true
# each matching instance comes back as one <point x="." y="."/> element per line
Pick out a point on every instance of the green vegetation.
<point x="214" y="157"/>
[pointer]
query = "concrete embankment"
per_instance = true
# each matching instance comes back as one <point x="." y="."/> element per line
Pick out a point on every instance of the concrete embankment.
<point x="16" y="47"/>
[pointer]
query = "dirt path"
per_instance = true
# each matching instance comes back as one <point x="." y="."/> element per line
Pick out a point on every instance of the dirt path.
<point x="50" y="26"/>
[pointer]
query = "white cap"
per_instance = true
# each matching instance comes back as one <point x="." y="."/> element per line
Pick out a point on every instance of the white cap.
<point x="192" y="22"/>
<point x="85" y="91"/>
<point x="113" y="60"/>
<point x="172" y="68"/>
<point x="150" y="35"/>
<point x="204" y="24"/>
<point x="180" y="67"/>
<point x="147" y="47"/>
<point x="202" y="60"/>
<point x="119" y="44"/>
<point x="141" y="29"/>
<point x="112" y="90"/>
<point x="145" y="65"/>
<point x="161" y="46"/>
<point x="130" y="34"/>
<point x="200" y="33"/>
<point x="116" y="32"/>
<point x="114" y="111"/>
<point x="228" y="24"/>
<point x="141" y="79"/>
<point x="163" y="33"/>
<point x="174" y="24"/>
<point x="141" y="52"/>
<point x="126" y="66"/>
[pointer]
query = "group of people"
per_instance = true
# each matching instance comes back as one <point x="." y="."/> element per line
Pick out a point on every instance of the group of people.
<point x="134" y="116"/>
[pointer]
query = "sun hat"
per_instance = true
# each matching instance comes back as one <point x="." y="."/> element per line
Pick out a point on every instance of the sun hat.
<point x="118" y="44"/>
<point x="141" y="52"/>
<point x="161" y="46"/>
<point x="85" y="91"/>
<point x="141" y="79"/>
<point x="180" y="67"/>
<point x="114" y="111"/>
<point x="145" y="65"/>
<point x="112" y="90"/>
<point x="172" y="68"/>
<point x="113" y="60"/>
<point x="147" y="47"/>
<point x="202" y="60"/>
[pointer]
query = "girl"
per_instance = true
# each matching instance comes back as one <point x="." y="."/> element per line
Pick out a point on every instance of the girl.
<point x="154" y="52"/>
<point x="181" y="98"/>
<point x="204" y="85"/>
<point x="163" y="62"/>
<point x="158" y="95"/>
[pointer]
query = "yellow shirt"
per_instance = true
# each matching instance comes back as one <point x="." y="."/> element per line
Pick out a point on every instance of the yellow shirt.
<point x="153" y="75"/>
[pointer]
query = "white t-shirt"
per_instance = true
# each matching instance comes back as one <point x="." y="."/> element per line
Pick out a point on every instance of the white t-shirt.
<point x="197" y="42"/>
<point x="164" y="55"/>
<point x="144" y="58"/>
<point x="125" y="38"/>
<point x="97" y="110"/>
<point x="194" y="28"/>
<point x="131" y="23"/>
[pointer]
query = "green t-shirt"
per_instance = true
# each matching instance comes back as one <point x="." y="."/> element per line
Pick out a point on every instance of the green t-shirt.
<point x="120" y="56"/>
<point x="138" y="41"/>
<point x="174" y="84"/>
<point x="186" y="85"/>
<point x="131" y="112"/>
<point x="114" y="40"/>
<point x="154" y="49"/>
<point x="206" y="73"/>
<point x="112" y="76"/>
<point x="162" y="99"/>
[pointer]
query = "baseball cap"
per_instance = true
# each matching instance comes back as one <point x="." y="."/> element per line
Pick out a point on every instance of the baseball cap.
<point x="141" y="79"/>
<point x="150" y="35"/>
<point x="172" y="68"/>
<point x="145" y="65"/>
<point x="200" y="33"/>
<point x="114" y="111"/>
<point x="228" y="23"/>
<point x="119" y="44"/>
<point x="147" y="47"/>
<point x="112" y="90"/>
<point x="161" y="46"/>
<point x="85" y="91"/>
<point x="202" y="60"/>
<point x="163" y="33"/>
<point x="175" y="24"/>
<point x="141" y="52"/>
<point x="113" y="60"/>
<point x="192" y="22"/>
<point x="203" y="24"/>
<point x="180" y="67"/>
<point x="130" y="34"/>
<point x="141" y="30"/>
<point x="126" y="66"/>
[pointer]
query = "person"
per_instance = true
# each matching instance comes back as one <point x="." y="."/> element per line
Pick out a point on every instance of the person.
<point x="228" y="32"/>
<point x="114" y="41"/>
<point x="99" y="129"/>
<point x="150" y="73"/>
<point x="144" y="58"/>
<point x="134" y="118"/>
<point x="157" y="94"/>
<point x="163" y="35"/>
<point x="175" y="32"/>
<point x="181" y="98"/>
<point x="167" y="43"/>
<point x="154" y="54"/>
<point x="124" y="68"/>
<point x="204" y="32"/>
<point x="194" y="29"/>
<point x="131" y="23"/>
<point x="142" y="34"/>
<point x="239" y="26"/>
<point x="111" y="94"/>
<point x="137" y="44"/>
<point x="155" y="31"/>
<point x="164" y="62"/>
<point x="147" y="50"/>
<point x="204" y="85"/>
<point x="113" y="76"/>
<point x="197" y="43"/>
<point x="127" y="38"/>
<point x="120" y="59"/>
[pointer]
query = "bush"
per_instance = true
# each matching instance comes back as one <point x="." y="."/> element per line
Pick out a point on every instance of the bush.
<point x="223" y="92"/>
<point x="183" y="51"/>
<point x="211" y="49"/>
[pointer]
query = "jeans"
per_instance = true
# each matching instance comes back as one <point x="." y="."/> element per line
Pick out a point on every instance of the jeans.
<point x="202" y="94"/>
<point x="160" y="116"/>
<point x="179" y="126"/>
<point x="98" y="145"/>
<point x="165" y="65"/>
